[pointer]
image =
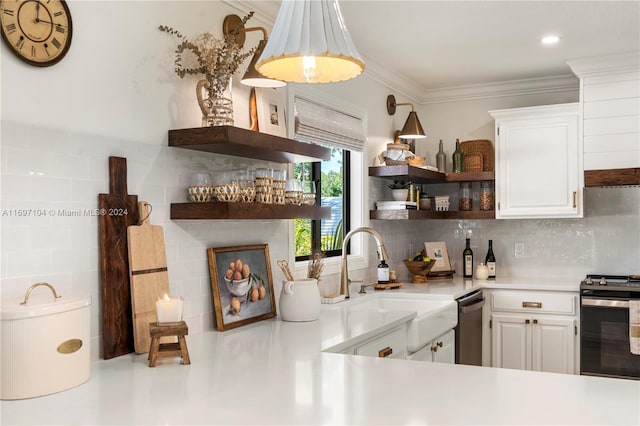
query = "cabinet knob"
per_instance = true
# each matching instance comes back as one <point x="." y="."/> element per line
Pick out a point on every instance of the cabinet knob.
<point x="535" y="321"/>
<point x="434" y="349"/>
<point x="527" y="321"/>
<point x="439" y="344"/>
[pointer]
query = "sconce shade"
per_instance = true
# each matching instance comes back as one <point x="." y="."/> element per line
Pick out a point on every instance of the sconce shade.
<point x="310" y="44"/>
<point x="412" y="128"/>
<point x="253" y="78"/>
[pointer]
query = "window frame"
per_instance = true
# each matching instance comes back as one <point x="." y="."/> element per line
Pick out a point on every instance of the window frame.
<point x="359" y="251"/>
<point x="316" y="224"/>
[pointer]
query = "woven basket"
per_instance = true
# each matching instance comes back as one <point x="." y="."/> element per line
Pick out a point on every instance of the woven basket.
<point x="416" y="161"/>
<point x="482" y="146"/>
<point x="472" y="162"/>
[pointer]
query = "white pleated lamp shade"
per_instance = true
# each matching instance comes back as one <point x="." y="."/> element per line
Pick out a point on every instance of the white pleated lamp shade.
<point x="310" y="44"/>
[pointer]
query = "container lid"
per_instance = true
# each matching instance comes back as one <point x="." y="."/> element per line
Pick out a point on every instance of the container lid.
<point x="38" y="306"/>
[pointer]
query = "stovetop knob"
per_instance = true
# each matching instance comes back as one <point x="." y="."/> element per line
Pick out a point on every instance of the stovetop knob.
<point x="588" y="281"/>
<point x="603" y="281"/>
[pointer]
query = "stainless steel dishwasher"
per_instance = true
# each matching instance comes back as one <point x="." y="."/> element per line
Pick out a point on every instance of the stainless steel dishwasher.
<point x="469" y="329"/>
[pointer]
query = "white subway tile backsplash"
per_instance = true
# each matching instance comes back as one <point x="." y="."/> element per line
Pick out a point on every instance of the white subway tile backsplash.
<point x="27" y="162"/>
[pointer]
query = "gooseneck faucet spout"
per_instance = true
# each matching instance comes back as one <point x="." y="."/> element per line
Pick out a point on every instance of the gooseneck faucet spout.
<point x="344" y="273"/>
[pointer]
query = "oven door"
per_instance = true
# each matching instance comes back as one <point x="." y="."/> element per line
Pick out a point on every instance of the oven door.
<point x="604" y="339"/>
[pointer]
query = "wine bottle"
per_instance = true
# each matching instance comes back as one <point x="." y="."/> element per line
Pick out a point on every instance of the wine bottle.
<point x="490" y="260"/>
<point x="383" y="272"/>
<point x="467" y="260"/>
<point x="457" y="158"/>
<point x="441" y="159"/>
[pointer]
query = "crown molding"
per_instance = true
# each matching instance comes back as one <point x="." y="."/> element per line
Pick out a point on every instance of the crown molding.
<point x="600" y="65"/>
<point x="531" y="86"/>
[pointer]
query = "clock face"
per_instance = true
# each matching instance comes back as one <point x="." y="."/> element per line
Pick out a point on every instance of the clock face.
<point x="37" y="31"/>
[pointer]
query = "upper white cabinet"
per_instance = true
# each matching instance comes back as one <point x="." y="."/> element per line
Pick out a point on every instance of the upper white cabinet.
<point x="610" y="103"/>
<point x="539" y="172"/>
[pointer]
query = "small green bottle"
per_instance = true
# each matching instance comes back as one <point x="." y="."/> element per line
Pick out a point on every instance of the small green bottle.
<point x="457" y="158"/>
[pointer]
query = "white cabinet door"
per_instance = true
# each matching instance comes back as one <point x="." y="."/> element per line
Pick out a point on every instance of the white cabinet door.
<point x="446" y="348"/>
<point x="511" y="342"/>
<point x="553" y="345"/>
<point x="390" y="345"/>
<point x="539" y="169"/>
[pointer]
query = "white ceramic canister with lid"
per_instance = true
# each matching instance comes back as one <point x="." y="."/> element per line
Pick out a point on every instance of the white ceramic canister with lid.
<point x="45" y="345"/>
<point x="300" y="300"/>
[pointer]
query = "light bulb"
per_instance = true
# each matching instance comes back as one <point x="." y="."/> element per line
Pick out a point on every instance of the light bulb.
<point x="309" y="68"/>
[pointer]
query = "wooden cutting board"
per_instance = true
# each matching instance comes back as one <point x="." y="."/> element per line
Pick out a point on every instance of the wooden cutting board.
<point x="117" y="211"/>
<point x="147" y="273"/>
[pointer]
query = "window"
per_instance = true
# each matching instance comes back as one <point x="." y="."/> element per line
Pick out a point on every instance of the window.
<point x="332" y="189"/>
<point x="344" y="133"/>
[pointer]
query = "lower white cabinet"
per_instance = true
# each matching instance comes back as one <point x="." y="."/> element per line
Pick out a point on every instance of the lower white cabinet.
<point x="389" y="345"/>
<point x="534" y="331"/>
<point x="533" y="343"/>
<point x="441" y="349"/>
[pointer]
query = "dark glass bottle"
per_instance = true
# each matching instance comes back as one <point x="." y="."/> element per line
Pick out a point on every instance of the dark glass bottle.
<point x="467" y="260"/>
<point x="457" y="158"/>
<point x="441" y="159"/>
<point x="490" y="260"/>
<point x="383" y="272"/>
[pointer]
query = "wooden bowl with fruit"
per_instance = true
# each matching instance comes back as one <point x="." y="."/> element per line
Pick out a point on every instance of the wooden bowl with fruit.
<point x="419" y="266"/>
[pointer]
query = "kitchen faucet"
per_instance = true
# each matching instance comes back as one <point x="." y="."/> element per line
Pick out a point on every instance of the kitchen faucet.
<point x="344" y="273"/>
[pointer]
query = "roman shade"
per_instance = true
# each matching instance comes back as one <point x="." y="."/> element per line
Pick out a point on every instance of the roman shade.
<point x="315" y="123"/>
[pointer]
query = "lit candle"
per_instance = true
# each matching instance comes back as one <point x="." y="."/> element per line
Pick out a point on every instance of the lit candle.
<point x="169" y="309"/>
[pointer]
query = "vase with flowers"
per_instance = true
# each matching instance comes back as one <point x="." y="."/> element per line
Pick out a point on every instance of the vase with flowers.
<point x="216" y="60"/>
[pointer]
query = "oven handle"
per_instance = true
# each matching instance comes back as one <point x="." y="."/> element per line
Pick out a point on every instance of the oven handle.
<point x="624" y="304"/>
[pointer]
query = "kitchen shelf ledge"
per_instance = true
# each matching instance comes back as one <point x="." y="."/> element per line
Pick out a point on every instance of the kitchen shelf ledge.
<point x="430" y="214"/>
<point x="255" y="211"/>
<point x="419" y="175"/>
<point x="245" y="143"/>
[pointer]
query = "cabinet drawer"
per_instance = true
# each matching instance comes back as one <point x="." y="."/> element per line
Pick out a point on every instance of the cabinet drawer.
<point x="525" y="301"/>
<point x="391" y="345"/>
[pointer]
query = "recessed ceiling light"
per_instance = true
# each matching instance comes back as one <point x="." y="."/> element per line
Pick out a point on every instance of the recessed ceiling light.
<point x="550" y="39"/>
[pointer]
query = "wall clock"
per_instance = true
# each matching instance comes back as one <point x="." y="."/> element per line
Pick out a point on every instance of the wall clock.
<point x="37" y="31"/>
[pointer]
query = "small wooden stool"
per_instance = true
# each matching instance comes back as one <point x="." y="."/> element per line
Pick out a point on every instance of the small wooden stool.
<point x="158" y="349"/>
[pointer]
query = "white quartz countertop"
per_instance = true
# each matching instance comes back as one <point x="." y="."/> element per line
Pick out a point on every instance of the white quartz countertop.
<point x="275" y="372"/>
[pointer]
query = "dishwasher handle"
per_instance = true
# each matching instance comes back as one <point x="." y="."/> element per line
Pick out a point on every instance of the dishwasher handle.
<point x="474" y="307"/>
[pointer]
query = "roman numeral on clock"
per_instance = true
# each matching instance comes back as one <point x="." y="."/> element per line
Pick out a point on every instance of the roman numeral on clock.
<point x="11" y="28"/>
<point x="56" y="43"/>
<point x="60" y="29"/>
<point x="33" y="51"/>
<point x="8" y="12"/>
<point x="20" y="43"/>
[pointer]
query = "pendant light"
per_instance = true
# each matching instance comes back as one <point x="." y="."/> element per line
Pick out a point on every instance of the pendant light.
<point x="310" y="43"/>
<point x="253" y="78"/>
<point x="412" y="128"/>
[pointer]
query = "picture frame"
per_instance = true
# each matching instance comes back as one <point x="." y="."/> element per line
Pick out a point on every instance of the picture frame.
<point x="241" y="285"/>
<point x="438" y="251"/>
<point x="270" y="108"/>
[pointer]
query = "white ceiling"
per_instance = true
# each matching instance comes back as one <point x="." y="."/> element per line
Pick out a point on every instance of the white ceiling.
<point x="443" y="44"/>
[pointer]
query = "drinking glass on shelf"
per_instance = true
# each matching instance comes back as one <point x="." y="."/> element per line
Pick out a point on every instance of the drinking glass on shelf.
<point x="264" y="185"/>
<point x="279" y="181"/>
<point x="308" y="192"/>
<point x="293" y="192"/>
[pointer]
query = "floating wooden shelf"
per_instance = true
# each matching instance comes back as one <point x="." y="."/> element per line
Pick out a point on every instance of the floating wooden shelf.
<point x="612" y="177"/>
<point x="245" y="143"/>
<point x="430" y="214"/>
<point x="256" y="211"/>
<point x="420" y="175"/>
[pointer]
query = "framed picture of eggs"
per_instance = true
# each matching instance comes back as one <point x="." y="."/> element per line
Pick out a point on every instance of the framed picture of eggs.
<point x="241" y="285"/>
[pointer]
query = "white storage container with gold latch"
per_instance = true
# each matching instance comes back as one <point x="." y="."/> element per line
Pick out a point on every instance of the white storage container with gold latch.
<point x="45" y="343"/>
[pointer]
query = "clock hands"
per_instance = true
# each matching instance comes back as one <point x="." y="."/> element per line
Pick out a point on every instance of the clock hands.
<point x="52" y="23"/>
<point x="37" y="10"/>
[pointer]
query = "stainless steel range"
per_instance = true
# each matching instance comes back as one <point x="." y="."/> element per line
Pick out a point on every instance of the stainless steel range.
<point x="604" y="330"/>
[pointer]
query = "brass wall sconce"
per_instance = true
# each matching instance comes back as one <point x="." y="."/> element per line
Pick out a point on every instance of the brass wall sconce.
<point x="252" y="77"/>
<point x="412" y="128"/>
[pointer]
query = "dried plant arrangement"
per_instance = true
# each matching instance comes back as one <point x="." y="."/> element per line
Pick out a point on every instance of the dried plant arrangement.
<point x="316" y="265"/>
<point x="216" y="59"/>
